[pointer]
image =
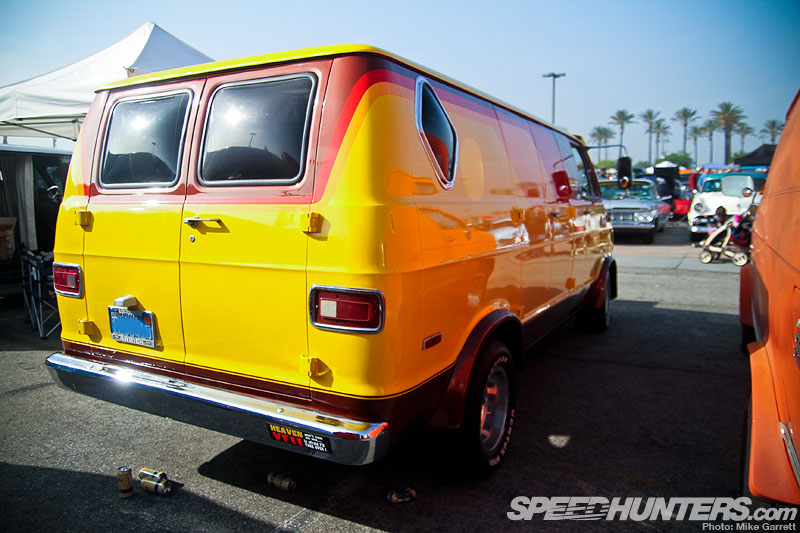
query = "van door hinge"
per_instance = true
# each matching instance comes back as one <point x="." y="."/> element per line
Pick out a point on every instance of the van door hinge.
<point x="316" y="368"/>
<point x="311" y="222"/>
<point x="85" y="327"/>
<point x="82" y="217"/>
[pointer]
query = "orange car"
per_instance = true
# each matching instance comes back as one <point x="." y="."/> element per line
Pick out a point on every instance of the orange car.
<point x="770" y="314"/>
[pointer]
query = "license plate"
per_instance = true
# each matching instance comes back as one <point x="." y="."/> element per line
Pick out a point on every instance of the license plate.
<point x="132" y="326"/>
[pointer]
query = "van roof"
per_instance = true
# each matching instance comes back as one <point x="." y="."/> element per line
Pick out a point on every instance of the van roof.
<point x="194" y="71"/>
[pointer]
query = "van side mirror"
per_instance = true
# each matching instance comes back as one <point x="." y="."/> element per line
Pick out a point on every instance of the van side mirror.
<point x="624" y="172"/>
<point x="747" y="192"/>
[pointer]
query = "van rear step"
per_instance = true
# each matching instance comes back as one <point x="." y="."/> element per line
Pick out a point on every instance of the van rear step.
<point x="278" y="424"/>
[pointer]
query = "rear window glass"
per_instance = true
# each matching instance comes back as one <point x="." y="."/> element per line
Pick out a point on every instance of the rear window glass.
<point x="257" y="132"/>
<point x="143" y="145"/>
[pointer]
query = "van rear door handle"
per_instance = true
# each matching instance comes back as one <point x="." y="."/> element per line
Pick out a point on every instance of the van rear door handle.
<point x="192" y="221"/>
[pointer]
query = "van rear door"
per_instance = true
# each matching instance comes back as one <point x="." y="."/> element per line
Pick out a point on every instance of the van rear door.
<point x="243" y="245"/>
<point x="131" y="238"/>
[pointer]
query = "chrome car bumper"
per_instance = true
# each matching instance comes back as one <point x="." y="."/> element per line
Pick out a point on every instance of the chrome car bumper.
<point x="270" y="422"/>
<point x="645" y="226"/>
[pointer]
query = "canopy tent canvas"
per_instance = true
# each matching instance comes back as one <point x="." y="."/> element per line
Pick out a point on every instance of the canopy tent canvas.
<point x="760" y="157"/>
<point x="54" y="104"/>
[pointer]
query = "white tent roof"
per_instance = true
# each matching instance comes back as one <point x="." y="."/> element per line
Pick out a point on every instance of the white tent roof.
<point x="54" y="104"/>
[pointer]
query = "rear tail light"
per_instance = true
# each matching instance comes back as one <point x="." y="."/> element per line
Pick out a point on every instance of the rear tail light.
<point x="343" y="309"/>
<point x="68" y="280"/>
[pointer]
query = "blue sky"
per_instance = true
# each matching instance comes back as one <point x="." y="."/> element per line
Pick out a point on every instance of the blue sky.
<point x="617" y="54"/>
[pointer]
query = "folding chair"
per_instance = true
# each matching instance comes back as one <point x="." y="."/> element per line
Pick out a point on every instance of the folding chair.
<point x="40" y="299"/>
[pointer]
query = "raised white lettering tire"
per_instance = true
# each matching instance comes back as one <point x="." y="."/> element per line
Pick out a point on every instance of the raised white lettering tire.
<point x="489" y="416"/>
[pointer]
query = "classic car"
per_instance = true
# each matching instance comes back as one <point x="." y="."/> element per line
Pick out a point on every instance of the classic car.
<point x="722" y="190"/>
<point x="638" y="209"/>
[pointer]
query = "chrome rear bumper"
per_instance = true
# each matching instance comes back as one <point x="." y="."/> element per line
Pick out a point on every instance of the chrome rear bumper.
<point x="270" y="422"/>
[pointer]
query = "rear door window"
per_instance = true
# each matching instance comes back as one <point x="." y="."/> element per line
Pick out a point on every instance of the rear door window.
<point x="257" y="132"/>
<point x="144" y="141"/>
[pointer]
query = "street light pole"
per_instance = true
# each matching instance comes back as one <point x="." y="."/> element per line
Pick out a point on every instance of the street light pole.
<point x="555" y="77"/>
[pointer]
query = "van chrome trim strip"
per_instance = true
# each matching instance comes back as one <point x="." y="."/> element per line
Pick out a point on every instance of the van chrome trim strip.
<point x="352" y="442"/>
<point x="791" y="451"/>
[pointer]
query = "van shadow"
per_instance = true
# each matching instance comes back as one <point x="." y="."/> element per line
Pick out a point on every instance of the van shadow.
<point x="652" y="408"/>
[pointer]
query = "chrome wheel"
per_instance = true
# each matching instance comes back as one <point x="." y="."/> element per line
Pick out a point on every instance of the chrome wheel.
<point x="494" y="409"/>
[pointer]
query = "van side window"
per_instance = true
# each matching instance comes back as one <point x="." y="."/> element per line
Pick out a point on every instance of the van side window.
<point x="437" y="132"/>
<point x="144" y="140"/>
<point x="257" y="132"/>
<point x="587" y="179"/>
<point x="580" y="183"/>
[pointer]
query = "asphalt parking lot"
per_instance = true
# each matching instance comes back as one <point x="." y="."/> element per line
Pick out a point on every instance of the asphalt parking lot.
<point x="654" y="408"/>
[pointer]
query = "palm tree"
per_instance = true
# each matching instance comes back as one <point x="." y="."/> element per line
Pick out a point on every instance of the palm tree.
<point x="695" y="133"/>
<point x="649" y="117"/>
<point x="608" y="135"/>
<point x="601" y="135"/>
<point x="743" y="130"/>
<point x="728" y="115"/>
<point x="620" y="118"/>
<point x="685" y="115"/>
<point x="660" y="128"/>
<point x="709" y="127"/>
<point x="771" y="129"/>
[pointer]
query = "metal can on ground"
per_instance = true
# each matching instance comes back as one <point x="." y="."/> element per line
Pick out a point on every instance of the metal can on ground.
<point x="154" y="486"/>
<point x="124" y="482"/>
<point x="281" y="481"/>
<point x="151" y="473"/>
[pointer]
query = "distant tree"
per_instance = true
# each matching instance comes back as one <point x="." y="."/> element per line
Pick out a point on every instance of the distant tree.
<point x="649" y="117"/>
<point x="660" y="128"/>
<point x="606" y="164"/>
<point x="743" y="130"/>
<point x="608" y="136"/>
<point x="737" y="155"/>
<point x="642" y="164"/>
<point x="771" y="129"/>
<point x="601" y="135"/>
<point x="679" y="158"/>
<point x="728" y="116"/>
<point x="596" y="135"/>
<point x="620" y="118"/>
<point x="684" y="116"/>
<point x="709" y="127"/>
<point x="695" y="133"/>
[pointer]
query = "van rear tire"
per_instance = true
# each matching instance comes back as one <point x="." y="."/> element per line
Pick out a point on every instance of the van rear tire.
<point x="489" y="415"/>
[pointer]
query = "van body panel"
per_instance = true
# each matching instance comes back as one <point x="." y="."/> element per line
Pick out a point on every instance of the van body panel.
<point x="69" y="233"/>
<point x="772" y="298"/>
<point x="130" y="248"/>
<point x="243" y="266"/>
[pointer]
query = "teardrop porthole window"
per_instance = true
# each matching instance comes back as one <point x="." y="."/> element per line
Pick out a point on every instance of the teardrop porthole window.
<point x="437" y="133"/>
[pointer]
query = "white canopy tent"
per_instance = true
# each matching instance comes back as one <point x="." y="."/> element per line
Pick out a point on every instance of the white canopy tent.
<point x="54" y="104"/>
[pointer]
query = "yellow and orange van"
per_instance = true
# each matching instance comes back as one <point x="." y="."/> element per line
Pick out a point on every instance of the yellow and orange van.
<point x="322" y="250"/>
<point x="769" y="310"/>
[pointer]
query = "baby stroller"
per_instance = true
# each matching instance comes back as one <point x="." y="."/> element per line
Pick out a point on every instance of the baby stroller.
<point x="731" y="239"/>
